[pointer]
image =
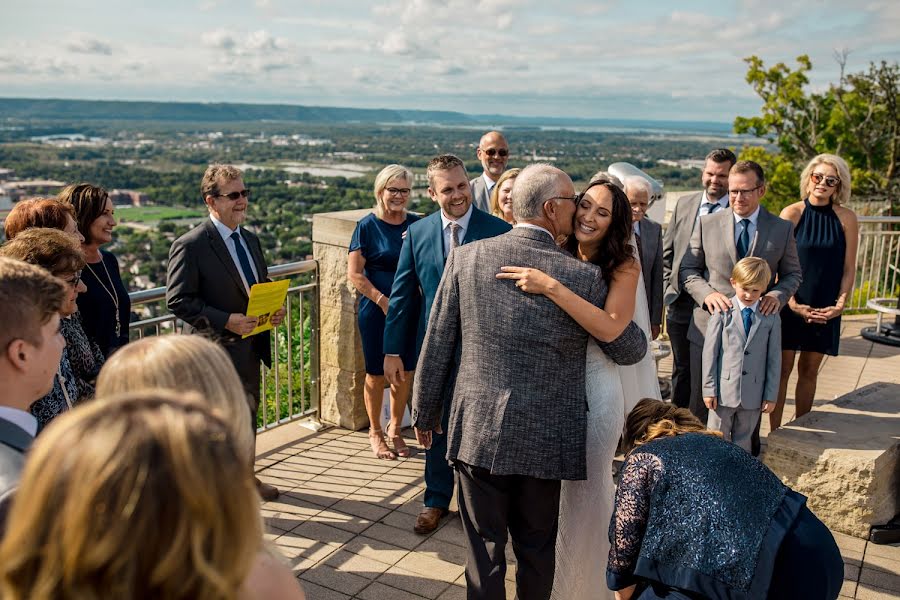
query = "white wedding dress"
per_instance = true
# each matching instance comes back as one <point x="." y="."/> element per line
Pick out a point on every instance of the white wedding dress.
<point x="585" y="508"/>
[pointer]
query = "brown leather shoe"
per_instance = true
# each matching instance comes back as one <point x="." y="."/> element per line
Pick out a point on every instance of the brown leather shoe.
<point x="428" y="519"/>
<point x="266" y="491"/>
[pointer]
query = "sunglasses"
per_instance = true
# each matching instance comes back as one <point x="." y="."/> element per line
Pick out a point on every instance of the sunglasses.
<point x="494" y="152"/>
<point x="828" y="179"/>
<point x="235" y="195"/>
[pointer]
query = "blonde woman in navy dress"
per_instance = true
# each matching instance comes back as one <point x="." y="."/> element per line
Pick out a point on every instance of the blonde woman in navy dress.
<point x="827" y="235"/>
<point x="372" y="264"/>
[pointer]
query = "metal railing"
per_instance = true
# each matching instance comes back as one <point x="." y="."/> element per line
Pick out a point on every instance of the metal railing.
<point x="290" y="389"/>
<point x="877" y="262"/>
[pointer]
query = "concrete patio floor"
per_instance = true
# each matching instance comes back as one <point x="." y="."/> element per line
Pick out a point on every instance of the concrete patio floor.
<point x="344" y="519"/>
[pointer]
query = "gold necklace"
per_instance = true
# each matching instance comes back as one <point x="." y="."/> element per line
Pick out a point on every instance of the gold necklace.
<point x="111" y="290"/>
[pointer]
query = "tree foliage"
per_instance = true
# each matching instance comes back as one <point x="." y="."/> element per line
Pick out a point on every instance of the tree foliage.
<point x="857" y="118"/>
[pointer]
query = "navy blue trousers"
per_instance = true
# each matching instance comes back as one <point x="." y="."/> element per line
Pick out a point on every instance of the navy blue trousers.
<point x="438" y="472"/>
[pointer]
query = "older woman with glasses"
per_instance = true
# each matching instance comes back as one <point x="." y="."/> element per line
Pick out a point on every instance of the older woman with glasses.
<point x="827" y="235"/>
<point x="60" y="254"/>
<point x="372" y="264"/>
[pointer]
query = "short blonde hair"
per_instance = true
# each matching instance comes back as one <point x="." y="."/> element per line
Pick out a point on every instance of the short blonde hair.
<point x="384" y="177"/>
<point x="142" y="497"/>
<point x="842" y="193"/>
<point x="182" y="363"/>
<point x="495" y="191"/>
<point x="752" y="270"/>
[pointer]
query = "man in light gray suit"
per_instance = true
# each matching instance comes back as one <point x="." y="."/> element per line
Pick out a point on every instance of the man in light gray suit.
<point x="648" y="237"/>
<point x="518" y="413"/>
<point x="719" y="241"/>
<point x="493" y="152"/>
<point x="679" y="304"/>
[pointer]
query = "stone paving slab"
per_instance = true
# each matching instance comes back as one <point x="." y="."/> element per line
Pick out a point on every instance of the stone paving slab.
<point x="344" y="523"/>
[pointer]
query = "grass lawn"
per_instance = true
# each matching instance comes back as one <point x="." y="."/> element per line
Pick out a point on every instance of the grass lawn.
<point x="148" y="214"/>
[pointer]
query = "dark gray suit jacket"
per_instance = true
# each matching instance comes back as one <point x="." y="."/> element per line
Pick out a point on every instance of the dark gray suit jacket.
<point x="204" y="287"/>
<point x="652" y="267"/>
<point x="481" y="197"/>
<point x="14" y="441"/>
<point x="707" y="266"/>
<point x="675" y="246"/>
<point x="519" y="405"/>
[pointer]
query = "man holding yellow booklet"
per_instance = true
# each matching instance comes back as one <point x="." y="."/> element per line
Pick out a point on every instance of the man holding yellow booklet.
<point x="218" y="284"/>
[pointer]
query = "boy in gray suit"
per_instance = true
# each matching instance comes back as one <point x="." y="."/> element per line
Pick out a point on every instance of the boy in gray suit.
<point x="742" y="357"/>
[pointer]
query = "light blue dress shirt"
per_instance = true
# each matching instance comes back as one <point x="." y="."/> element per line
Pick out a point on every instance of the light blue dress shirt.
<point x="225" y="232"/>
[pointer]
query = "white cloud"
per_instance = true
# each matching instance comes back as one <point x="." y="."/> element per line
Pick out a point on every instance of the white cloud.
<point x="85" y="44"/>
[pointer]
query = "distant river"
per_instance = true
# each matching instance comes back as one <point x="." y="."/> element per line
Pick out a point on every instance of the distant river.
<point x="348" y="170"/>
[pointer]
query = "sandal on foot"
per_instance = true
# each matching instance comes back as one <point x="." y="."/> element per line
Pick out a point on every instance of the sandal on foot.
<point x="400" y="447"/>
<point x="379" y="446"/>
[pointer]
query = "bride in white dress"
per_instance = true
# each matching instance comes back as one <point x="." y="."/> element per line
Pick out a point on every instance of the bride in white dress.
<point x="603" y="234"/>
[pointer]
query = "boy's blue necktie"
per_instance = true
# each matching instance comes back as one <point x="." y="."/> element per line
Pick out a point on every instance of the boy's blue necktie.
<point x="747" y="313"/>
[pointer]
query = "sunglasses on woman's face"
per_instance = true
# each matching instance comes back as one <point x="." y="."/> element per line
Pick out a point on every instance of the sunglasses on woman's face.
<point x="828" y="179"/>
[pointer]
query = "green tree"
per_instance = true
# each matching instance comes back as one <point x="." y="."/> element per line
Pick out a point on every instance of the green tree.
<point x="857" y="118"/>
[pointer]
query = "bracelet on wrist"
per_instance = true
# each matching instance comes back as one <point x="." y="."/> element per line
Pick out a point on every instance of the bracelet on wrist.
<point x="378" y="300"/>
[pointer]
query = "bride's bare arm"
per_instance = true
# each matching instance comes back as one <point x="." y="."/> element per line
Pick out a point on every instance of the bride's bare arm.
<point x="606" y="324"/>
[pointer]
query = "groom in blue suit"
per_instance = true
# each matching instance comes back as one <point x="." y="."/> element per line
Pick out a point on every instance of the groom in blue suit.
<point x="422" y="257"/>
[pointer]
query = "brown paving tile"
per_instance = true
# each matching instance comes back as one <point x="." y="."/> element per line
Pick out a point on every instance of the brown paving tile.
<point x="879" y="579"/>
<point x="867" y="592"/>
<point x="454" y="592"/>
<point x="341" y="520"/>
<point x="322" y="482"/>
<point x="451" y="533"/>
<point x="403" y="538"/>
<point x="331" y="578"/>
<point x="323" y="533"/>
<point x="388" y="501"/>
<point x="851" y="572"/>
<point x="348" y="562"/>
<point x="887" y="564"/>
<point x="445" y="551"/>
<point x="848" y="589"/>
<point x="361" y="509"/>
<point x="302" y="553"/>
<point x="411" y="582"/>
<point x="375" y="549"/>
<point x="317" y="592"/>
<point x="885" y="550"/>
<point x="379" y="591"/>
<point x="430" y="566"/>
<point x="319" y="497"/>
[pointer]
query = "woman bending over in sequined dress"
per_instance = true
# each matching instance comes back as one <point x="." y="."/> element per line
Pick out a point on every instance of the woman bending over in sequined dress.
<point x="697" y="517"/>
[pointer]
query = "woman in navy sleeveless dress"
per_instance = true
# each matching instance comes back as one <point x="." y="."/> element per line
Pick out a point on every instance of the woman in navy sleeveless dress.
<point x="372" y="264"/>
<point x="827" y="237"/>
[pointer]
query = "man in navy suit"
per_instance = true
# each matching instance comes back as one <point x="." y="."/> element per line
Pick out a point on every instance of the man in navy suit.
<point x="32" y="346"/>
<point x="419" y="270"/>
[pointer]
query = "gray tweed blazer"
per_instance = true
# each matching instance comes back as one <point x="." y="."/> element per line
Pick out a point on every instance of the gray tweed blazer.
<point x="518" y="406"/>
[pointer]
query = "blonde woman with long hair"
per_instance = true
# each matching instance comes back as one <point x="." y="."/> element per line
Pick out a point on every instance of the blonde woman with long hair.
<point x="144" y="496"/>
<point x="697" y="516"/>
<point x="501" y="196"/>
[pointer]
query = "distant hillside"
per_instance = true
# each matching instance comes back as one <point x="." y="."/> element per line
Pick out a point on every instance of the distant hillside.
<point x="26" y="109"/>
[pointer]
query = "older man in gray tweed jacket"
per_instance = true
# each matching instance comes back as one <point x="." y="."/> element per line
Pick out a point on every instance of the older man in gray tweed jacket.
<point x="517" y="418"/>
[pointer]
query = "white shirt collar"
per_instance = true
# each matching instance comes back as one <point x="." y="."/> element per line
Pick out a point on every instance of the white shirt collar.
<point x="463" y="221"/>
<point x="20" y="418"/>
<point x="742" y="306"/>
<point x="488" y="182"/>
<point x="723" y="201"/>
<point x="538" y="227"/>
<point x="753" y="217"/>
<point x="637" y="227"/>
<point x="222" y="228"/>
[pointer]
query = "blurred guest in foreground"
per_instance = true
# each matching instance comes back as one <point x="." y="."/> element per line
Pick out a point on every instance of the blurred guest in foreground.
<point x="60" y="254"/>
<point x="501" y="196"/>
<point x="827" y="235"/>
<point x="184" y="363"/>
<point x="648" y="238"/>
<point x="125" y="500"/>
<point x="764" y="545"/>
<point x="41" y="212"/>
<point x="105" y="307"/>
<point x="31" y="350"/>
<point x="371" y="266"/>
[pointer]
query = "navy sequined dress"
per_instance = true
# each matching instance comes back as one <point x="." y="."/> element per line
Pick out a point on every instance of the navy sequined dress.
<point x="821" y="247"/>
<point x="697" y="517"/>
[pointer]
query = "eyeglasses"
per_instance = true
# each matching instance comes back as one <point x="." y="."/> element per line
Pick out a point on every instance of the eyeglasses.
<point x="828" y="179"/>
<point x="76" y="278"/>
<point x="493" y="151"/>
<point x="398" y="191"/>
<point x="235" y="195"/>
<point x="736" y="193"/>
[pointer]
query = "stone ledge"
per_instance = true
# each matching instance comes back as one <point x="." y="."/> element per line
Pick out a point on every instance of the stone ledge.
<point x="845" y="457"/>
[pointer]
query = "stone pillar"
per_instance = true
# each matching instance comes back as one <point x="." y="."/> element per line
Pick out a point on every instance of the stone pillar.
<point x="341" y="366"/>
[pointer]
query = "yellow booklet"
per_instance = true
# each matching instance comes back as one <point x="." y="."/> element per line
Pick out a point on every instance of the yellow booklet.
<point x="265" y="300"/>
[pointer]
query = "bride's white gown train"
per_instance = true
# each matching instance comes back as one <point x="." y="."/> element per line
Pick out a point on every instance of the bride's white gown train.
<point x="585" y="508"/>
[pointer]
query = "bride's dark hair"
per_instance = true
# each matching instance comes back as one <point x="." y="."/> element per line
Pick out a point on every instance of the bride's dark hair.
<point x="614" y="249"/>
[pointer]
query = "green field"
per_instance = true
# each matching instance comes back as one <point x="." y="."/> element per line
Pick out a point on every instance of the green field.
<point x="150" y="214"/>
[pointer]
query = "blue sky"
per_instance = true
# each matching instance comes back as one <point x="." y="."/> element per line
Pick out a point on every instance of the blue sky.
<point x="602" y="59"/>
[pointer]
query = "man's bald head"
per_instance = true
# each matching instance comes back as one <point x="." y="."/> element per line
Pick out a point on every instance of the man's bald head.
<point x="493" y="152"/>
